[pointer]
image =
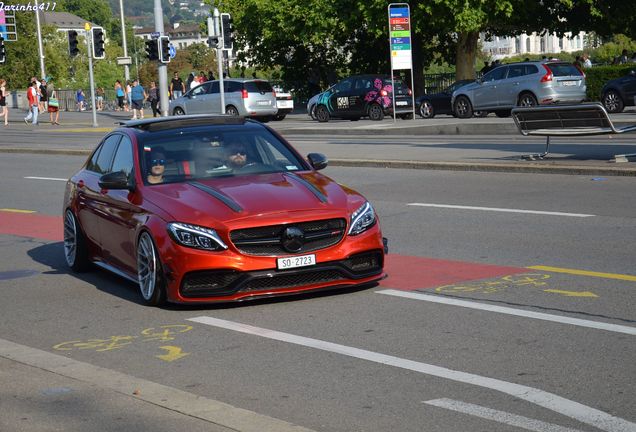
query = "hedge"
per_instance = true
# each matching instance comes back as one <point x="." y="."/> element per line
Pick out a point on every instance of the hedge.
<point x="597" y="76"/>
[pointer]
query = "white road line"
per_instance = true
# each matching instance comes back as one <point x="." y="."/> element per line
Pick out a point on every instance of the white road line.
<point x="575" y="410"/>
<point x="498" y="416"/>
<point x="616" y="328"/>
<point x="46" y="178"/>
<point x="506" y="210"/>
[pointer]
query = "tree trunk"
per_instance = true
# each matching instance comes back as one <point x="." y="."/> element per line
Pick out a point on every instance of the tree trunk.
<point x="466" y="55"/>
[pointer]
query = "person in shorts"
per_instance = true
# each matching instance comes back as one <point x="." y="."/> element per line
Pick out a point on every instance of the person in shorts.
<point x="119" y="92"/>
<point x="3" y="101"/>
<point x="137" y="97"/>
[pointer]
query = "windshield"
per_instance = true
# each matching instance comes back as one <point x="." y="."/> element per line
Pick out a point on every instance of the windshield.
<point x="198" y="153"/>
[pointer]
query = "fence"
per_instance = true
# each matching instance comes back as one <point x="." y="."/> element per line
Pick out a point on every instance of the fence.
<point x="67" y="98"/>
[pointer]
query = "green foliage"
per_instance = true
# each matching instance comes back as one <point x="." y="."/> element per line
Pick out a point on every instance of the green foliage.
<point x="606" y="53"/>
<point x="200" y="56"/>
<point x="597" y="76"/>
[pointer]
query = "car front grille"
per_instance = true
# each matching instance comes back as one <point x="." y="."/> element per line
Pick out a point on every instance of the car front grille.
<point x="269" y="240"/>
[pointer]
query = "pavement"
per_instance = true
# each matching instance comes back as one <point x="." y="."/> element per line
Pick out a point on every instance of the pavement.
<point x="478" y="144"/>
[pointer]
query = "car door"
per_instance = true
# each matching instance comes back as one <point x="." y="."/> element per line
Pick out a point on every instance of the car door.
<point x="214" y="98"/>
<point x="119" y="214"/>
<point x="486" y="94"/>
<point x="340" y="98"/>
<point x="628" y="83"/>
<point x="199" y="100"/>
<point x="508" y="88"/>
<point x="361" y="87"/>
<point x="90" y="199"/>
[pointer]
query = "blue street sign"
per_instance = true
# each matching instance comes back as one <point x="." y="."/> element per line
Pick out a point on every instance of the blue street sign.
<point x="172" y="51"/>
<point x="155" y="35"/>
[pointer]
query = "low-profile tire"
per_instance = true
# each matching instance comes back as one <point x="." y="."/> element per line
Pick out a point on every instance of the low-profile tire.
<point x="463" y="108"/>
<point x="613" y="102"/>
<point x="426" y="110"/>
<point x="376" y="113"/>
<point x="527" y="100"/>
<point x="152" y="282"/>
<point x="75" y="250"/>
<point x="322" y="114"/>
<point x="178" y="111"/>
<point x="312" y="112"/>
<point x="232" y="110"/>
<point x="502" y="113"/>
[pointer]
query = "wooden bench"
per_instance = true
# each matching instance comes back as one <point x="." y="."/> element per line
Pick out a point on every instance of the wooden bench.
<point x="565" y="120"/>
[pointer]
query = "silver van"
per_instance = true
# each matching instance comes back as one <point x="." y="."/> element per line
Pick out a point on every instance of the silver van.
<point x="246" y="97"/>
<point x="521" y="84"/>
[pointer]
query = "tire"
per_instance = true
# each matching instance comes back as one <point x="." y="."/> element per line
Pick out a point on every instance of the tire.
<point x="178" y="111"/>
<point x="502" y="113"/>
<point x="152" y="282"/>
<point x="75" y="250"/>
<point x="312" y="112"/>
<point x="231" y="110"/>
<point x="480" y="114"/>
<point x="376" y="113"/>
<point x="322" y="114"/>
<point x="426" y="110"/>
<point x="463" y="108"/>
<point x="279" y="117"/>
<point x="527" y="100"/>
<point x="613" y="102"/>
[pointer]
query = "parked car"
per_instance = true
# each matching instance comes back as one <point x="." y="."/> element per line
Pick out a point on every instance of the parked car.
<point x="284" y="103"/>
<point x="199" y="209"/>
<point x="429" y="105"/>
<point x="619" y="93"/>
<point x="521" y="84"/>
<point x="364" y="96"/>
<point x="246" y="97"/>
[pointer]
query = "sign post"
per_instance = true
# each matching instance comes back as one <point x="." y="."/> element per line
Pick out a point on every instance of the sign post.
<point x="400" y="45"/>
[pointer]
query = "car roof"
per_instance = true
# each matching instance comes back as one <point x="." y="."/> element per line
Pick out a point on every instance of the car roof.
<point x="177" y="122"/>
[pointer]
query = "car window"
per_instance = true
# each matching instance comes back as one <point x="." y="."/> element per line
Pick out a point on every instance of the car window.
<point x="100" y="162"/>
<point x="258" y="87"/>
<point x="123" y="157"/>
<point x="214" y="87"/>
<point x="495" y="74"/>
<point x="515" y="71"/>
<point x="530" y="69"/>
<point x="344" y="85"/>
<point x="564" y="69"/>
<point x="399" y="87"/>
<point x="363" y="84"/>
<point x="200" y="90"/>
<point x="232" y="86"/>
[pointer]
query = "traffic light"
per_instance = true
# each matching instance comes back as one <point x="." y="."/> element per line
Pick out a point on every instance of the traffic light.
<point x="73" y="43"/>
<point x="227" y="28"/>
<point x="3" y="51"/>
<point x="164" y="49"/>
<point x="98" y="43"/>
<point x="152" y="49"/>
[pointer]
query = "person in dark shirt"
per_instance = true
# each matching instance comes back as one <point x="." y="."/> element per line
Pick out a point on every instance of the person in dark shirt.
<point x="177" y="87"/>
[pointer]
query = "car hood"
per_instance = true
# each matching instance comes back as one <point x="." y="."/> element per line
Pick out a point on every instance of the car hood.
<point x="261" y="196"/>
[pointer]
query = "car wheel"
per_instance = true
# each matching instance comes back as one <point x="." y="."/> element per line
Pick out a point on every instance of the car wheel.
<point x="322" y="115"/>
<point x="480" y="114"/>
<point x="527" y="100"/>
<point x="178" y="111"/>
<point x="231" y="110"/>
<point x="463" y="108"/>
<point x="152" y="285"/>
<point x="612" y="102"/>
<point x="502" y="113"/>
<point x="376" y="113"/>
<point x="426" y="110"/>
<point x="75" y="250"/>
<point x="279" y="117"/>
<point x="312" y="112"/>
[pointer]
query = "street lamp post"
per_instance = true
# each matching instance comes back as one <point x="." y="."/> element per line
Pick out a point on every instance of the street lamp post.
<point x="40" y="49"/>
<point x="123" y="39"/>
<point x="163" y="68"/>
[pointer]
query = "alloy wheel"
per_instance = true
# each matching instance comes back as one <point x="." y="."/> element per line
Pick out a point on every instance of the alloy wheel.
<point x="426" y="109"/>
<point x="146" y="266"/>
<point x="70" y="238"/>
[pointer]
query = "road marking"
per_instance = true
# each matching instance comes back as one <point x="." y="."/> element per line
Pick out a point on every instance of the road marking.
<point x="586" y="273"/>
<point x="17" y="210"/>
<point x="46" y="178"/>
<point x="510" y="311"/>
<point x="575" y="410"/>
<point x="505" y="210"/>
<point x="174" y="353"/>
<point x="572" y="293"/>
<point x="498" y="416"/>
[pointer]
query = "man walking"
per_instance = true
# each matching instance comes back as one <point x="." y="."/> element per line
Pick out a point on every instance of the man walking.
<point x="34" y="109"/>
<point x="177" y="87"/>
<point x="138" y="97"/>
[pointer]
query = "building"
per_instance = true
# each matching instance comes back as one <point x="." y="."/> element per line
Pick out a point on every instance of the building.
<point x="181" y="36"/>
<point x="532" y="44"/>
<point x="64" y="21"/>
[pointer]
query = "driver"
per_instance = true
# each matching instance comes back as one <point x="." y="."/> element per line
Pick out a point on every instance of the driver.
<point x="157" y="167"/>
<point x="236" y="156"/>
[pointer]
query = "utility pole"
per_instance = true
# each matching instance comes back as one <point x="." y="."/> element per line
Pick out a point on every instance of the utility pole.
<point x="89" y="49"/>
<point x="40" y="49"/>
<point x="123" y="39"/>
<point x="216" y="31"/>
<point x="163" y="68"/>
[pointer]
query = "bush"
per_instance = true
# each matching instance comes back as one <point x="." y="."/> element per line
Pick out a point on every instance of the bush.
<point x="597" y="76"/>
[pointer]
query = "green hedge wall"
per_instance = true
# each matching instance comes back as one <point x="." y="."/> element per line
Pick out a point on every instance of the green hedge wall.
<point x="597" y="76"/>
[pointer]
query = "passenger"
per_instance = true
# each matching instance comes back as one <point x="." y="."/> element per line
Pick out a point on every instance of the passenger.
<point x="157" y="167"/>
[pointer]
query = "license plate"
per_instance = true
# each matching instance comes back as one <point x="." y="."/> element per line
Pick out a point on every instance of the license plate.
<point x="284" y="104"/>
<point x="262" y="102"/>
<point x="568" y="83"/>
<point x="296" y="261"/>
<point x="401" y="103"/>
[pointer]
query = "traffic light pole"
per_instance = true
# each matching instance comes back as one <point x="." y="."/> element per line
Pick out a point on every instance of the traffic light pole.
<point x="219" y="55"/>
<point x="162" y="68"/>
<point x="89" y="49"/>
<point x="40" y="49"/>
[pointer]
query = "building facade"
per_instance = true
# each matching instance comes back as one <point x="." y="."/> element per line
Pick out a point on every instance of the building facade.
<point x="532" y="44"/>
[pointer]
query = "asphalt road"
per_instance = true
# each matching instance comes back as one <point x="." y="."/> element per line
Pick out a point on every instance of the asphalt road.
<point x="544" y="340"/>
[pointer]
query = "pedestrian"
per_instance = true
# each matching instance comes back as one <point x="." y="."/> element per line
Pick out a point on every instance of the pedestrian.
<point x="53" y="106"/>
<point x="578" y="62"/>
<point x="211" y="76"/>
<point x="137" y="97"/>
<point x="42" y="105"/>
<point x="119" y="92"/>
<point x="177" y="88"/>
<point x="587" y="63"/>
<point x="128" y="96"/>
<point x="485" y="69"/>
<point x="80" y="100"/>
<point x="624" y="58"/>
<point x="3" y="101"/>
<point x="202" y="77"/>
<point x="194" y="81"/>
<point x="37" y="89"/>
<point x="32" y="96"/>
<point x="99" y="96"/>
<point x="153" y="98"/>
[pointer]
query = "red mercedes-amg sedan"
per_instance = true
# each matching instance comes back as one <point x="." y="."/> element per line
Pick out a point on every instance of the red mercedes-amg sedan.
<point x="199" y="209"/>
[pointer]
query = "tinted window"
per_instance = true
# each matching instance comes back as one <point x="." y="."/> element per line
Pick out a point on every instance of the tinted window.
<point x="104" y="155"/>
<point x="214" y="88"/>
<point x="232" y="86"/>
<point x="258" y="87"/>
<point x="531" y="69"/>
<point x="516" y="71"/>
<point x="363" y="84"/>
<point x="201" y="90"/>
<point x="564" y="69"/>
<point x="400" y="87"/>
<point x="345" y="85"/>
<point x="496" y="74"/>
<point x="123" y="157"/>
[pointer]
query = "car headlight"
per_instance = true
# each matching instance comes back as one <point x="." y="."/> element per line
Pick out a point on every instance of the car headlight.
<point x="196" y="236"/>
<point x="362" y="219"/>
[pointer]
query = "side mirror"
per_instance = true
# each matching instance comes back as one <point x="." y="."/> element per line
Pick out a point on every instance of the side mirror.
<point x="115" y="180"/>
<point x="318" y="161"/>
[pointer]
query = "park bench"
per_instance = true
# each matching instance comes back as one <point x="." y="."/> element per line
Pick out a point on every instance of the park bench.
<point x="565" y="120"/>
